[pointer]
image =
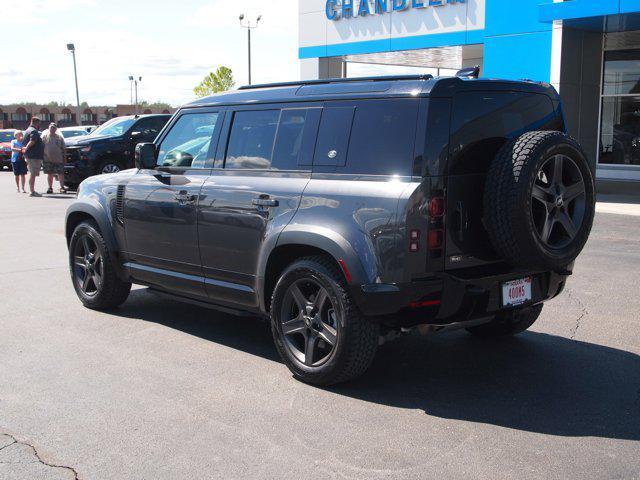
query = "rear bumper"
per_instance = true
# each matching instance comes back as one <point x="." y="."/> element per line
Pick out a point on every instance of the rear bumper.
<point x="447" y="297"/>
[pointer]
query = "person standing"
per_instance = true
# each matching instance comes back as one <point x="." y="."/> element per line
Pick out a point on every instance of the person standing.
<point x="18" y="165"/>
<point x="33" y="153"/>
<point x="54" y="151"/>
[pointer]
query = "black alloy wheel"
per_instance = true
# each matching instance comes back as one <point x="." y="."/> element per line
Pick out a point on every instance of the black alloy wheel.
<point x="92" y="268"/>
<point x="88" y="266"/>
<point x="318" y="330"/>
<point x="559" y="196"/>
<point x="309" y="322"/>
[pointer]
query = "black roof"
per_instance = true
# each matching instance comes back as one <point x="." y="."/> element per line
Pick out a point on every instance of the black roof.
<point x="144" y="115"/>
<point x="366" y="87"/>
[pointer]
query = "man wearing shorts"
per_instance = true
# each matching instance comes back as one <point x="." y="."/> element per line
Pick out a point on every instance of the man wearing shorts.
<point x="33" y="153"/>
<point x="53" y="165"/>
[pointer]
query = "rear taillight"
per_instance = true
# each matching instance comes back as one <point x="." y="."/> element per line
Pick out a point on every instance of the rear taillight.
<point x="436" y="207"/>
<point x="435" y="239"/>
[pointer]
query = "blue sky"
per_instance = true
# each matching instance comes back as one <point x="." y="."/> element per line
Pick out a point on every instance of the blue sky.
<point x="171" y="44"/>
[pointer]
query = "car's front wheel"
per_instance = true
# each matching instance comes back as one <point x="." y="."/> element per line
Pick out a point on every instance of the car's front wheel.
<point x="318" y="331"/>
<point x="508" y="323"/>
<point x="94" y="277"/>
<point x="108" y="166"/>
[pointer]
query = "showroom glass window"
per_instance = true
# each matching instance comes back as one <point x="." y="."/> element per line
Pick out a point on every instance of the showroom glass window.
<point x="620" y="129"/>
<point x="187" y="145"/>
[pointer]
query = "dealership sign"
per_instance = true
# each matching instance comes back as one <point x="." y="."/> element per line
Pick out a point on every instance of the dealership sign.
<point x="337" y="9"/>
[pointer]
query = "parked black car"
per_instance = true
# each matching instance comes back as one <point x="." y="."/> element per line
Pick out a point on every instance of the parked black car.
<point x="346" y="211"/>
<point x="110" y="147"/>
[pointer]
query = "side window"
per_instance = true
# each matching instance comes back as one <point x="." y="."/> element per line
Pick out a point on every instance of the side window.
<point x="333" y="136"/>
<point x="188" y="142"/>
<point x="252" y="139"/>
<point x="295" y="139"/>
<point x="482" y="121"/>
<point x="149" y="127"/>
<point x="383" y="137"/>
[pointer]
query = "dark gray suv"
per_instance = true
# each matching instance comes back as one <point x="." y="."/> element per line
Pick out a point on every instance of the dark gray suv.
<point x="346" y="211"/>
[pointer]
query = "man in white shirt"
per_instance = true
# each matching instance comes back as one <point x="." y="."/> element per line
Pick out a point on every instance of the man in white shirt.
<point x="54" y="152"/>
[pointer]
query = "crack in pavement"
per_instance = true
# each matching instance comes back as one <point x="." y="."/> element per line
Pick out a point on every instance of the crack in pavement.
<point x="583" y="312"/>
<point x="31" y="270"/>
<point x="15" y="441"/>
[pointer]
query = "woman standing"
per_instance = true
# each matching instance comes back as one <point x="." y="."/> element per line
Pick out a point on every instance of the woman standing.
<point x="17" y="161"/>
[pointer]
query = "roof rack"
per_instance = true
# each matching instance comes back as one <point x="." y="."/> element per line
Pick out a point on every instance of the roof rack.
<point x="338" y="80"/>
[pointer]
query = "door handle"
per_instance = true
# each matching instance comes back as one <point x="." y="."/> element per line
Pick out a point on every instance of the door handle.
<point x="185" y="198"/>
<point x="265" y="202"/>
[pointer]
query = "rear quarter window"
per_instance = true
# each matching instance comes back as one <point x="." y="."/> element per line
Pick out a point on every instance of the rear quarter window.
<point x="483" y="122"/>
<point x="369" y="137"/>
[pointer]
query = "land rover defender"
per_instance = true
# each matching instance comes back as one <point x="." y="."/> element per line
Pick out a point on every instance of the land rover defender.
<point x="346" y="210"/>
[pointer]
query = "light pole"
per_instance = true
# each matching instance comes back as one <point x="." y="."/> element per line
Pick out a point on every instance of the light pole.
<point x="135" y="85"/>
<point x="130" y="90"/>
<point x="249" y="27"/>
<point x="71" y="47"/>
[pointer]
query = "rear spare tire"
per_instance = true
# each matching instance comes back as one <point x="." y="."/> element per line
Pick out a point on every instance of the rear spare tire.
<point x="539" y="201"/>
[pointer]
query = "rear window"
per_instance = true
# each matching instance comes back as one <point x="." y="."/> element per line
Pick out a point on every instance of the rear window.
<point x="371" y="137"/>
<point x="383" y="138"/>
<point x="483" y="121"/>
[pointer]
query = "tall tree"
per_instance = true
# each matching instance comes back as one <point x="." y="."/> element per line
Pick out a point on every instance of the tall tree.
<point x="214" y="82"/>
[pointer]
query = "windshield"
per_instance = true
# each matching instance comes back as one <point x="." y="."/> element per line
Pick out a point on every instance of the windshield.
<point x="113" y="128"/>
<point x="6" y="136"/>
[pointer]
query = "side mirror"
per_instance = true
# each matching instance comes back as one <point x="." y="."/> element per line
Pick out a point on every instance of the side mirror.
<point x="145" y="156"/>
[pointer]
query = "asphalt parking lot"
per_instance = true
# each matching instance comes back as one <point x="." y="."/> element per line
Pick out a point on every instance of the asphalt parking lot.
<point x="162" y="390"/>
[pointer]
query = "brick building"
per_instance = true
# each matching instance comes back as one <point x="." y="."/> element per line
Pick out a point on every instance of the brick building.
<point x="19" y="116"/>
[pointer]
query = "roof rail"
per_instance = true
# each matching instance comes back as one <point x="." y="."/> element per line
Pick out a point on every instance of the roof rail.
<point x="338" y="80"/>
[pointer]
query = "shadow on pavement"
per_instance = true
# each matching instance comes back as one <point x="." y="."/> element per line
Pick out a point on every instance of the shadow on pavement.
<point x="59" y="196"/>
<point x="248" y="334"/>
<point x="534" y="382"/>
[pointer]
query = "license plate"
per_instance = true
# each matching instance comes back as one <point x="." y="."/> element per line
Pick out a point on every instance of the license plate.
<point x="516" y="292"/>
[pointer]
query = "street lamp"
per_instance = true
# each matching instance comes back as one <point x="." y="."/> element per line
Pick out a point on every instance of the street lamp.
<point x="71" y="47"/>
<point x="130" y="90"/>
<point x="135" y="84"/>
<point x="249" y="26"/>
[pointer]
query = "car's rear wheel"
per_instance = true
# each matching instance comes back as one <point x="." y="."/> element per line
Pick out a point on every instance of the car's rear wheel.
<point x="94" y="277"/>
<point x="508" y="323"/>
<point x="318" y="331"/>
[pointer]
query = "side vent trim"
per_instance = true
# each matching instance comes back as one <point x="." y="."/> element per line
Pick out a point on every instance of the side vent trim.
<point x="120" y="205"/>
